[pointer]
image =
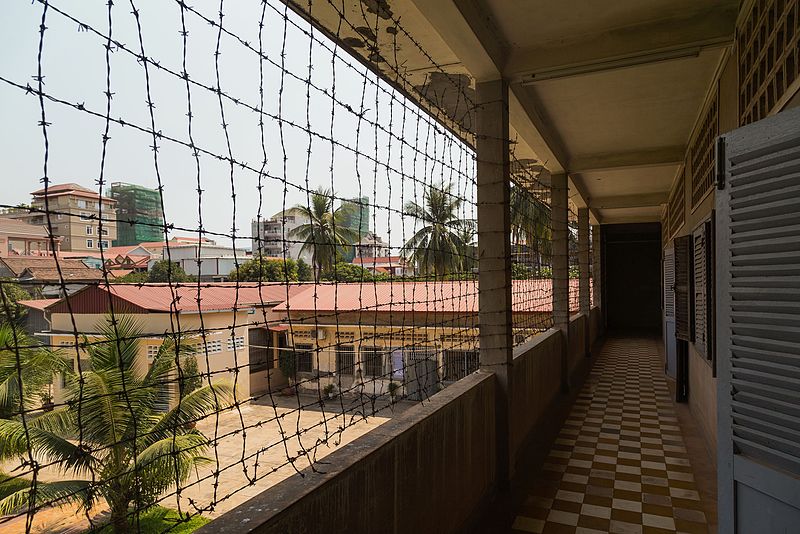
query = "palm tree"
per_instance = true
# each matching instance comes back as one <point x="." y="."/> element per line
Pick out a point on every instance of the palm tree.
<point x="128" y="453"/>
<point x="530" y="224"/>
<point x="438" y="246"/>
<point x="326" y="234"/>
<point x="21" y="358"/>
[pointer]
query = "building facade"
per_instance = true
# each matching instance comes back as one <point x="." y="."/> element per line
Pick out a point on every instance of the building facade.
<point x="271" y="237"/>
<point x="75" y="216"/>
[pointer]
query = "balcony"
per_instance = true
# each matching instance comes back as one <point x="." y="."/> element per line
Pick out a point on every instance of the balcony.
<point x="598" y="332"/>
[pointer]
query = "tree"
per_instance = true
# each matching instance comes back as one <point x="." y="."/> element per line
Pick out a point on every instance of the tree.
<point x="326" y="235"/>
<point x="304" y="271"/>
<point x="164" y="271"/>
<point x="438" y="246"/>
<point x="21" y="355"/>
<point x="265" y="270"/>
<point x="348" y="272"/>
<point x="530" y="226"/>
<point x="10" y="309"/>
<point x="133" y="452"/>
<point x="132" y="278"/>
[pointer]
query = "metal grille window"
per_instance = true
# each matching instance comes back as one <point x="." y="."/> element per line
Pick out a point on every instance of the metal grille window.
<point x="677" y="206"/>
<point x="373" y="362"/>
<point x="459" y="363"/>
<point x="305" y="358"/>
<point x="345" y="360"/>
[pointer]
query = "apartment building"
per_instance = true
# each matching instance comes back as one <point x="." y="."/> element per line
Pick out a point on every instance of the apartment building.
<point x="75" y="214"/>
<point x="272" y="236"/>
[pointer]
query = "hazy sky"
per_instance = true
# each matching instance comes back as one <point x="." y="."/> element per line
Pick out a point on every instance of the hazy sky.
<point x="74" y="67"/>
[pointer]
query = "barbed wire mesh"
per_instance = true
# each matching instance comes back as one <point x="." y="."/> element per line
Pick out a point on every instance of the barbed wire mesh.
<point x="236" y="368"/>
<point x="315" y="271"/>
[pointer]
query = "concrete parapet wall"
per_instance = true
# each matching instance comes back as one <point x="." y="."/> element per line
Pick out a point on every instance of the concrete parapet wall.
<point x="537" y="381"/>
<point x="576" y="347"/>
<point x="595" y="325"/>
<point x="427" y="470"/>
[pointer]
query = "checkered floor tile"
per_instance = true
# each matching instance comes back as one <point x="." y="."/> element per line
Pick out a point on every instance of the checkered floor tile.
<point x="619" y="464"/>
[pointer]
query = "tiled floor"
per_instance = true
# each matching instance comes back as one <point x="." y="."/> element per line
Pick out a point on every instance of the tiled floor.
<point x="619" y="464"/>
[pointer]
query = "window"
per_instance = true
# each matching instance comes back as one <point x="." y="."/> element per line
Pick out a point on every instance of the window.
<point x="89" y="230"/>
<point x="373" y="361"/>
<point x="152" y="351"/>
<point x="261" y="355"/>
<point x="237" y="342"/>
<point x="89" y="243"/>
<point x="214" y="346"/>
<point x="103" y="231"/>
<point x="86" y="216"/>
<point x="345" y="360"/>
<point x="102" y="244"/>
<point x="305" y="358"/>
<point x="82" y="204"/>
<point x="459" y="363"/>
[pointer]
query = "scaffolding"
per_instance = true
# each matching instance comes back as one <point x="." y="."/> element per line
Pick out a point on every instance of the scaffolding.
<point x="140" y="216"/>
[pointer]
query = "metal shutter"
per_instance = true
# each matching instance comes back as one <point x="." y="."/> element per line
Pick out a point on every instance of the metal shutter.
<point x="700" y="246"/>
<point x="683" y="288"/>
<point x="758" y="326"/>
<point x="669" y="282"/>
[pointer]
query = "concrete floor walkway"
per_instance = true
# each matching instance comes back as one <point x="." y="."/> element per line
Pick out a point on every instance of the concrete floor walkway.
<point x="619" y="464"/>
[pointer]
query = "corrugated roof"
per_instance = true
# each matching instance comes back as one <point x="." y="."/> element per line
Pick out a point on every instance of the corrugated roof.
<point x="46" y="274"/>
<point x="531" y="296"/>
<point x="37" y="304"/>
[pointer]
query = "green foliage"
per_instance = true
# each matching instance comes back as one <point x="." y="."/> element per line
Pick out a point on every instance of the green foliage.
<point x="326" y="236"/>
<point x="520" y="271"/>
<point x="157" y="520"/>
<point x="191" y="378"/>
<point x="120" y="428"/>
<point x="266" y="270"/>
<point x="163" y="271"/>
<point x="38" y="365"/>
<point x="304" y="271"/>
<point x="11" y="294"/>
<point x="348" y="272"/>
<point x="439" y="247"/>
<point x="132" y="278"/>
<point x="287" y="363"/>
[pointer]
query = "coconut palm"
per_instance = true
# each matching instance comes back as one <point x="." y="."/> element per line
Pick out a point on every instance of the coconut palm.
<point x="530" y="224"/>
<point x="125" y="452"/>
<point x="326" y="235"/>
<point x="23" y="361"/>
<point x="438" y="247"/>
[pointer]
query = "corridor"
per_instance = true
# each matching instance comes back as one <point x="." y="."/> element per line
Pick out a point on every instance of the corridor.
<point x="620" y="463"/>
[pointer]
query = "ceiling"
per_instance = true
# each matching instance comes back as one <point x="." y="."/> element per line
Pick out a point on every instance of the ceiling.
<point x="608" y="93"/>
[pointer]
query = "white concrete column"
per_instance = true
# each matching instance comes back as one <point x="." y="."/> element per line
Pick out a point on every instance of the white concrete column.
<point x="583" y="270"/>
<point x="559" y="209"/>
<point x="494" y="253"/>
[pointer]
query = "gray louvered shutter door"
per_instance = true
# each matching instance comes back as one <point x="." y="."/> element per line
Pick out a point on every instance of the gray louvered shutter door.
<point x="700" y="283"/>
<point x="669" y="282"/>
<point x="758" y="325"/>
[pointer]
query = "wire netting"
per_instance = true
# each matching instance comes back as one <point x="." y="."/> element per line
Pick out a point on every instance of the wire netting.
<point x="315" y="271"/>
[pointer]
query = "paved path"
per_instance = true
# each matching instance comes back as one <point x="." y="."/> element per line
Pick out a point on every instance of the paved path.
<point x="619" y="464"/>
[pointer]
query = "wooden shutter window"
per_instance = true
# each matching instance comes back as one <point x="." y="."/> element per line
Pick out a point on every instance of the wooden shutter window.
<point x="700" y="290"/>
<point x="684" y="319"/>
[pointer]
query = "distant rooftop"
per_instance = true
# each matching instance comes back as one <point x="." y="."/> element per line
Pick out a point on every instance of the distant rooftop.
<point x="69" y="189"/>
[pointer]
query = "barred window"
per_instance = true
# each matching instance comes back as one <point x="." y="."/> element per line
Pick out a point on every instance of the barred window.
<point x="305" y="358"/>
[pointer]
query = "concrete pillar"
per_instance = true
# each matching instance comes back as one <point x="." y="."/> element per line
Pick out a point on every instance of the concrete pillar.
<point x="583" y="270"/>
<point x="494" y="253"/>
<point x="559" y="212"/>
<point x="597" y="278"/>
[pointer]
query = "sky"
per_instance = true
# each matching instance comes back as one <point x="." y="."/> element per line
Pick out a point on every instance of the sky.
<point x="363" y="161"/>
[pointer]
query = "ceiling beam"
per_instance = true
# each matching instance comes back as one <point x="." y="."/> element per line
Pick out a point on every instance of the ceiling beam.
<point x="629" y="201"/>
<point x="578" y="195"/>
<point x="692" y="29"/>
<point x="657" y="157"/>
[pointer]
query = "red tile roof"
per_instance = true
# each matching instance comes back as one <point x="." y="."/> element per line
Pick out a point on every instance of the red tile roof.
<point x="158" y="297"/>
<point x="529" y="296"/>
<point x="70" y="189"/>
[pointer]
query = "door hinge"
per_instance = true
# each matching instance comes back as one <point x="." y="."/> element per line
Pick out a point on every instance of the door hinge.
<point x="720" y="159"/>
